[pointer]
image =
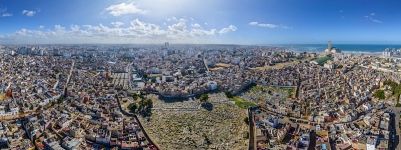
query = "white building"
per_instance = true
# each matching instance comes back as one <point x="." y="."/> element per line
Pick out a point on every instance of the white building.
<point x="329" y="65"/>
<point x="371" y="143"/>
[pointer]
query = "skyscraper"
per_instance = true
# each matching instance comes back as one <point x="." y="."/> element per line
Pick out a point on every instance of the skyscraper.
<point x="166" y="44"/>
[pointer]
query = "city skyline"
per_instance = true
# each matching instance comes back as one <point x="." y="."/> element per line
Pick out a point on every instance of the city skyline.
<point x="199" y="22"/>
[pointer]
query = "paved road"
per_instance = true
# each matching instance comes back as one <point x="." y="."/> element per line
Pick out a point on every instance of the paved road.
<point x="252" y="135"/>
<point x="207" y="68"/>
<point x="129" y="68"/>
<point x="69" y="78"/>
<point x="396" y="111"/>
<point x="19" y="116"/>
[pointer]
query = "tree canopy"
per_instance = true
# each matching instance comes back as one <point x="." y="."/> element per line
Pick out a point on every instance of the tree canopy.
<point x="204" y="98"/>
<point x="132" y="107"/>
<point x="379" y="94"/>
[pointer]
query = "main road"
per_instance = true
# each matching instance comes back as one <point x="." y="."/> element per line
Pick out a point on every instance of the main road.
<point x="69" y="78"/>
<point x="252" y="135"/>
<point x="396" y="111"/>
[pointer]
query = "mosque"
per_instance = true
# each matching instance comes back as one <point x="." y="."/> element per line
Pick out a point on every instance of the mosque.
<point x="330" y="49"/>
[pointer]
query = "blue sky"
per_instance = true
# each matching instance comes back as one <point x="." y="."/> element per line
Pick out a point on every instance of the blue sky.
<point x="200" y="21"/>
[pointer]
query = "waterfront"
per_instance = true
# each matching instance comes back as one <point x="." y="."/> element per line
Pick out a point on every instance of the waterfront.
<point x="373" y="49"/>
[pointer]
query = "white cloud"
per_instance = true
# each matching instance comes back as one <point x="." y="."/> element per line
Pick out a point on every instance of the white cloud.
<point x="117" y="24"/>
<point x="59" y="27"/>
<point x="4" y="13"/>
<point x="171" y="19"/>
<point x="135" y="31"/>
<point x="123" y="9"/>
<point x="196" y="25"/>
<point x="23" y="32"/>
<point x="268" y="25"/>
<point x="372" y="18"/>
<point x="75" y="28"/>
<point x="230" y="28"/>
<point x="29" y="13"/>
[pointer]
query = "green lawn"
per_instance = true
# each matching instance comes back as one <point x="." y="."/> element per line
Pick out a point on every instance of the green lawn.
<point x="379" y="94"/>
<point x="324" y="59"/>
<point x="242" y="103"/>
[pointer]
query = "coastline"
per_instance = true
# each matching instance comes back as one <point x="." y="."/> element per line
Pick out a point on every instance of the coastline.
<point x="362" y="49"/>
<point x="368" y="53"/>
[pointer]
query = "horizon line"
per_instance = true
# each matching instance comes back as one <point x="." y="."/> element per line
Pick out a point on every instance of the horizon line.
<point x="232" y="44"/>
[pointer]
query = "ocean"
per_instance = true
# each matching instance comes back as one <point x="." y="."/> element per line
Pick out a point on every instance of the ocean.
<point x="345" y="48"/>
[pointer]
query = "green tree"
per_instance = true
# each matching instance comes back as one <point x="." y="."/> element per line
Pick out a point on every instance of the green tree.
<point x="132" y="107"/>
<point x="148" y="103"/>
<point x="60" y="100"/>
<point x="204" y="98"/>
<point x="135" y="96"/>
<point x="141" y="96"/>
<point x="246" y="120"/>
<point x="379" y="94"/>
<point x="145" y="106"/>
<point x="395" y="88"/>
<point x="141" y="104"/>
<point x="229" y="94"/>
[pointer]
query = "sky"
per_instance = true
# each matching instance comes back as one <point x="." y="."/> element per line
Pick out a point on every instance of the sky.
<point x="200" y="21"/>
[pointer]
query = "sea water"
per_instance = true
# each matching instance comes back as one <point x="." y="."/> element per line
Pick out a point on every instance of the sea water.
<point x="345" y="48"/>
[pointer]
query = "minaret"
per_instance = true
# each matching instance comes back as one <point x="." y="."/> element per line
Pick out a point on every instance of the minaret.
<point x="329" y="45"/>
